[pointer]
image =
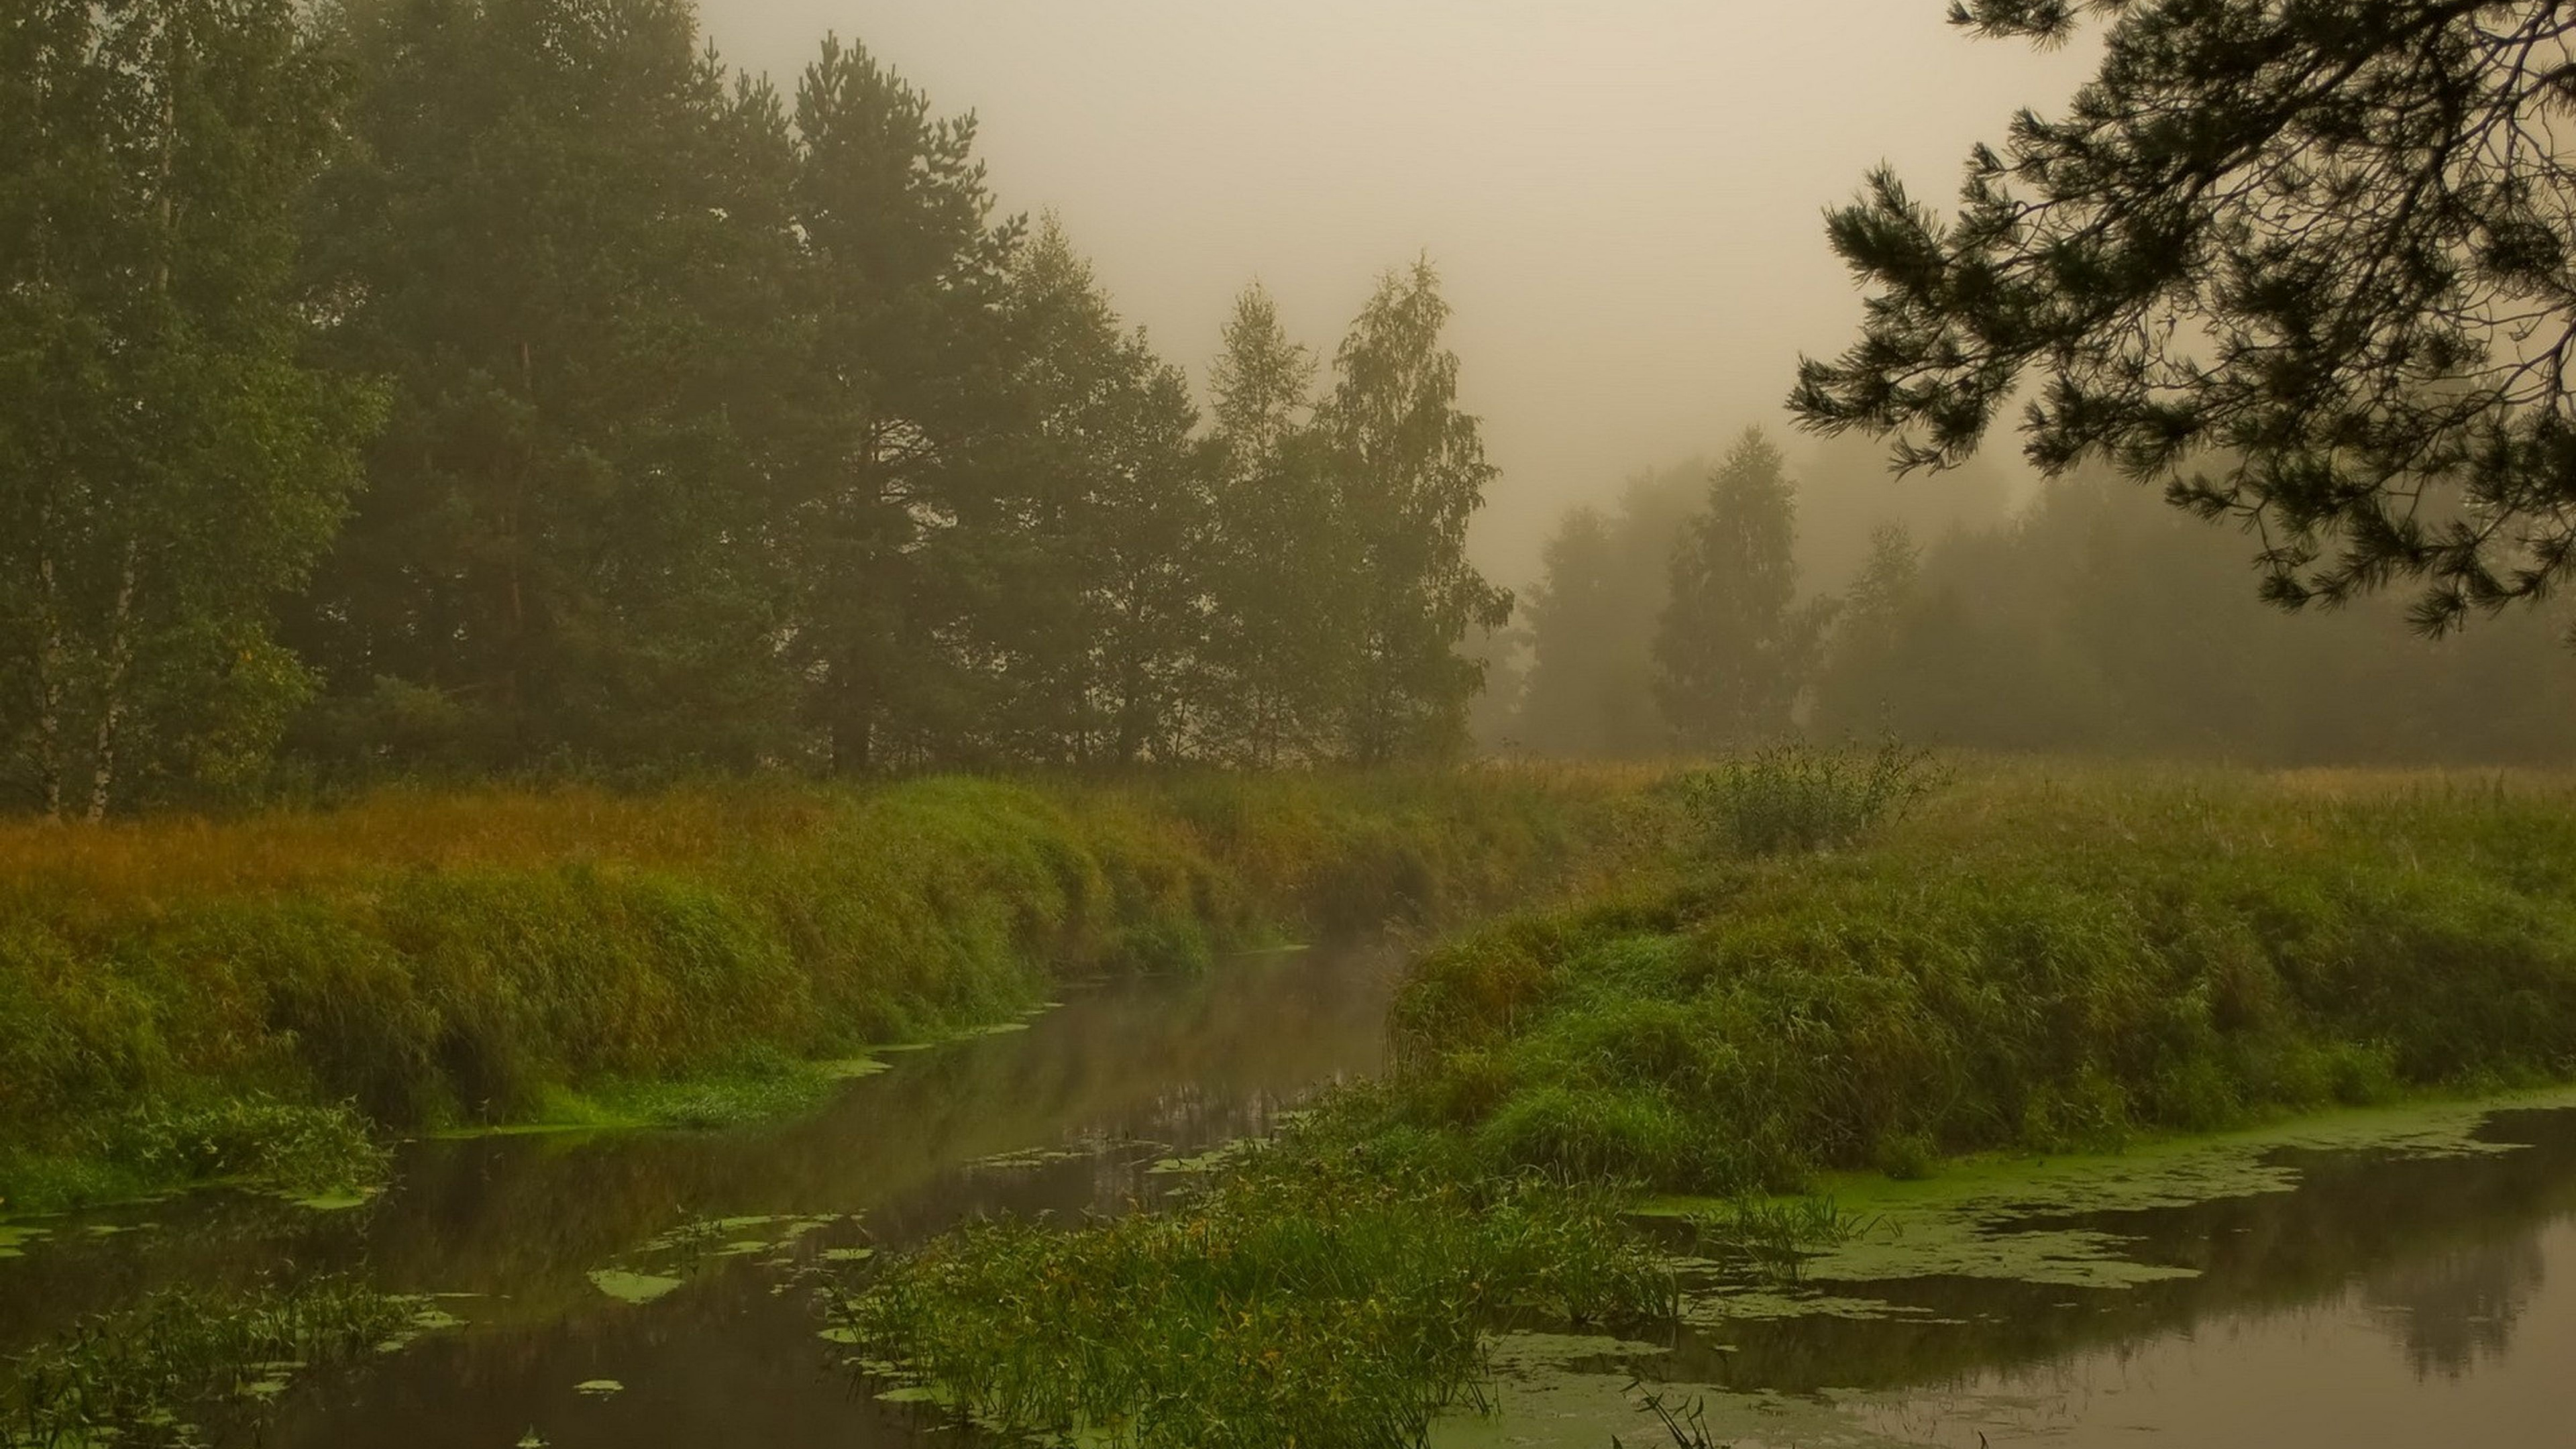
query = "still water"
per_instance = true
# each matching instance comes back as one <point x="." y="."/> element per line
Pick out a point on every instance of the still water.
<point x="653" y="1289"/>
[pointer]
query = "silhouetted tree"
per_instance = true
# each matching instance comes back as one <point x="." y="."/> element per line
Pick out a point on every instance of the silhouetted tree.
<point x="1868" y="643"/>
<point x="1410" y="471"/>
<point x="1281" y="577"/>
<point x="1592" y="619"/>
<point x="1734" y="647"/>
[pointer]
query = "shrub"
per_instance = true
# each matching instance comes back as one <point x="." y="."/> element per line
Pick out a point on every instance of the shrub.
<point x="1801" y="797"/>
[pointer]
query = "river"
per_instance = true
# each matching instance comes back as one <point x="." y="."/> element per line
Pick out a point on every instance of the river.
<point x="2371" y="1285"/>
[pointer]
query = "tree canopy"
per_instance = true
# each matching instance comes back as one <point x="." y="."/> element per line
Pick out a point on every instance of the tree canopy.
<point x="2304" y="262"/>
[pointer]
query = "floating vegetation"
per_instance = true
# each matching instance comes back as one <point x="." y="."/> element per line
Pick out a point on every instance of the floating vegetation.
<point x="187" y="1363"/>
<point x="1309" y="1295"/>
<point x="632" y="1288"/>
<point x="663" y="1263"/>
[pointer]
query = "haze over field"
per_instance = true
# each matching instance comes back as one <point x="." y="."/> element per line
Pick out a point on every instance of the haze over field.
<point x="1624" y="197"/>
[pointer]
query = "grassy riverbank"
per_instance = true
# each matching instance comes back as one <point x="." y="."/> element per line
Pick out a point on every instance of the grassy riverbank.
<point x="178" y="998"/>
<point x="2038" y="957"/>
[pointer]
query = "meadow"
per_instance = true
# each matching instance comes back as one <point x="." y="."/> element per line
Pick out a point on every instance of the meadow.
<point x="266" y="998"/>
<point x="1843" y="963"/>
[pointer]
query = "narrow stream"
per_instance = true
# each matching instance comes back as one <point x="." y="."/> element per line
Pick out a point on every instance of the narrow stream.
<point x="647" y="1290"/>
<point x="1068" y="1116"/>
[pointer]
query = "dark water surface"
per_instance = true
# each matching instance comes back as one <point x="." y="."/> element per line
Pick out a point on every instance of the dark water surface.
<point x="2389" y="1298"/>
<point x="1078" y="1108"/>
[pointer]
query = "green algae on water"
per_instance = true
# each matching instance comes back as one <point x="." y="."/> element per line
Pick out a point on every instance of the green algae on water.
<point x="2006" y="1218"/>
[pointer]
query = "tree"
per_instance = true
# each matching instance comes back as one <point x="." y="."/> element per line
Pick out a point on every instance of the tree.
<point x="1102" y="625"/>
<point x="2305" y="263"/>
<point x="1410" y="471"/>
<point x="1868" y="647"/>
<point x="563" y="236"/>
<point x="1592" y="620"/>
<point x="905" y="275"/>
<point x="168" y="465"/>
<point x="1734" y="649"/>
<point x="1281" y="567"/>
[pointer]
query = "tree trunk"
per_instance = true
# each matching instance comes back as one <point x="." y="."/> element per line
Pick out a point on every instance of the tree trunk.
<point x="111" y="709"/>
<point x="49" y="692"/>
<point x="852" y="730"/>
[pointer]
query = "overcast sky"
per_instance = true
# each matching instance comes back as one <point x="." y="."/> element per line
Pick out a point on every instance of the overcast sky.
<point x="1623" y="195"/>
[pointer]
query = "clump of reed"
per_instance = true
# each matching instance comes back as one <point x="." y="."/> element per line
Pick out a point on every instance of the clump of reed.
<point x="187" y="1363"/>
<point x="1315" y="1293"/>
<point x="1799" y="796"/>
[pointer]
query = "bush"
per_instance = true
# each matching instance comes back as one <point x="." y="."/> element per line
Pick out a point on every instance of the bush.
<point x="1800" y="797"/>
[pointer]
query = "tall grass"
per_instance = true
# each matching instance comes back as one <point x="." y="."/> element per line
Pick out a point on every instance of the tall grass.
<point x="435" y="959"/>
<point x="2041" y="960"/>
<point x="186" y="1363"/>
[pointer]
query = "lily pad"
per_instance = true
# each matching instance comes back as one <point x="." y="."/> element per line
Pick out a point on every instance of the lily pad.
<point x="628" y="1287"/>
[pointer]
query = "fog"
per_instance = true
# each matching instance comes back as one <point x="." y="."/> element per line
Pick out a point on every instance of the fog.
<point x="1624" y="196"/>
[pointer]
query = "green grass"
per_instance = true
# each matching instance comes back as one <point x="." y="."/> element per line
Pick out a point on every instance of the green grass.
<point x="1314" y="1293"/>
<point x="186" y="1363"/>
<point x="1830" y="967"/>
<point x="2036" y="962"/>
<point x="442" y="961"/>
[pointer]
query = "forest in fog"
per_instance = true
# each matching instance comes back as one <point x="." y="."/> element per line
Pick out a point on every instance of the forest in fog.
<point x="512" y="386"/>
<point x="423" y="387"/>
<point x="2089" y="618"/>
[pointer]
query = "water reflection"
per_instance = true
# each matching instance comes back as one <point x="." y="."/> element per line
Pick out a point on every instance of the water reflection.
<point x="2387" y="1301"/>
<point x="2456" y="1309"/>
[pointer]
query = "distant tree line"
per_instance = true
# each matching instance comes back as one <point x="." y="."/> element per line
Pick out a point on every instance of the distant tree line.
<point x="490" y="385"/>
<point x="2095" y="619"/>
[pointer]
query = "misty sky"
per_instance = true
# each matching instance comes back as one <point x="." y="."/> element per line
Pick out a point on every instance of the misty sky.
<point x="1624" y="195"/>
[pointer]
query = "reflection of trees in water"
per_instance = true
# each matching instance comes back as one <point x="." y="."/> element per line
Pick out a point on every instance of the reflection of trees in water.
<point x="2409" y="1229"/>
<point x="2454" y="1308"/>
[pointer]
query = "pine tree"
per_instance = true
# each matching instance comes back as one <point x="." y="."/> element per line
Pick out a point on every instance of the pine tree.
<point x="882" y="530"/>
<point x="1103" y="618"/>
<point x="2303" y="265"/>
<point x="1409" y="473"/>
<point x="563" y="235"/>
<point x="168" y="465"/>
<point x="1734" y="647"/>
